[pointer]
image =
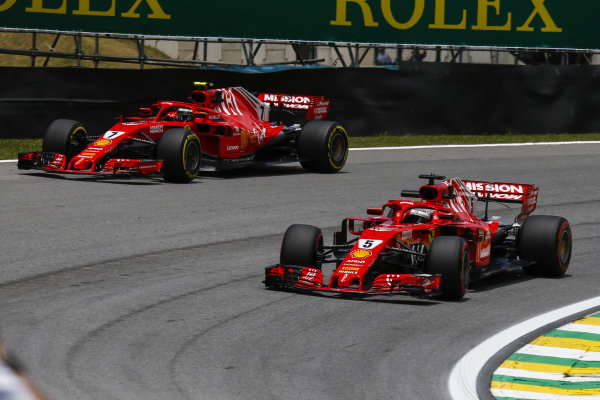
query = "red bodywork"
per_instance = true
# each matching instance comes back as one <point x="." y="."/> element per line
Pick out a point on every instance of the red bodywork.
<point x="231" y="123"/>
<point x="361" y="267"/>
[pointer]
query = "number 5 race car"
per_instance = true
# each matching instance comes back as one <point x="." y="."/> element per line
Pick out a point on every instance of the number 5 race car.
<point x="431" y="246"/>
<point x="219" y="129"/>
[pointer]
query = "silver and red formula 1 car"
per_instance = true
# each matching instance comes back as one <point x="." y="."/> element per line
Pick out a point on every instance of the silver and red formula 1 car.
<point x="218" y="129"/>
<point x="430" y="246"/>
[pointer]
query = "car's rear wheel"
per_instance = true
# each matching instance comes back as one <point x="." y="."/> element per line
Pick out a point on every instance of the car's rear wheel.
<point x="449" y="257"/>
<point x="547" y="240"/>
<point x="322" y="146"/>
<point x="181" y="153"/>
<point x="302" y="245"/>
<point x="65" y="136"/>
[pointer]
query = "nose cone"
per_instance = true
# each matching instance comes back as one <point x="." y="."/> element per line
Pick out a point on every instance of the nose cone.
<point x="346" y="280"/>
<point x="82" y="163"/>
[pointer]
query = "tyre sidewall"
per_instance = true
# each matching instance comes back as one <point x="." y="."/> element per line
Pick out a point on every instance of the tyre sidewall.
<point x="449" y="256"/>
<point x="547" y="240"/>
<point x="319" y="143"/>
<point x="60" y="135"/>
<point x="173" y="148"/>
<point x="300" y="245"/>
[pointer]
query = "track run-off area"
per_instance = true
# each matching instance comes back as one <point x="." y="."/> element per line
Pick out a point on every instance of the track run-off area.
<point x="138" y="289"/>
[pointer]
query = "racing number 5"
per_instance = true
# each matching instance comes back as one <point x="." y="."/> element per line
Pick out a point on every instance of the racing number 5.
<point x="367" y="244"/>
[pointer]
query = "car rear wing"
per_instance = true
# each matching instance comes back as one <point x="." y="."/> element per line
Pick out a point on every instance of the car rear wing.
<point x="503" y="192"/>
<point x="316" y="107"/>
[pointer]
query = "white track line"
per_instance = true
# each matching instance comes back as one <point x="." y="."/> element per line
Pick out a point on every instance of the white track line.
<point x="462" y="383"/>
<point x="441" y="146"/>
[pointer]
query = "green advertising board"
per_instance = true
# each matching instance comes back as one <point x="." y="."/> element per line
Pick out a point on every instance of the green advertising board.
<point x="499" y="23"/>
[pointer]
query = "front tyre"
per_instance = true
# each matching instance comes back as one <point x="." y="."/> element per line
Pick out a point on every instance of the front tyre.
<point x="322" y="146"/>
<point x="65" y="136"/>
<point x="546" y="239"/>
<point x="449" y="257"/>
<point x="302" y="245"/>
<point x="180" y="151"/>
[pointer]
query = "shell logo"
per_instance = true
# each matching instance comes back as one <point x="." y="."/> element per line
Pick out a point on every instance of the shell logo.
<point x="102" y="142"/>
<point x="361" y="253"/>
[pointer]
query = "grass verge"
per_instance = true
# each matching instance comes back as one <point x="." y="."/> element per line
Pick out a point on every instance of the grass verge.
<point x="9" y="148"/>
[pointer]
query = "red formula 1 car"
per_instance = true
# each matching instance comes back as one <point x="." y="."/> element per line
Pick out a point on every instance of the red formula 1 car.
<point x="219" y="129"/>
<point x="431" y="246"/>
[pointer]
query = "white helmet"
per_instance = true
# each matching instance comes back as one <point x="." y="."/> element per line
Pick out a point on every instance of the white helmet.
<point x="418" y="216"/>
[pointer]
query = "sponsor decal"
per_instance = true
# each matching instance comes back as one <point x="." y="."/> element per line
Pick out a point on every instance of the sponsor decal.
<point x="368" y="243"/>
<point x="407" y="235"/>
<point x="351" y="261"/>
<point x="249" y="157"/>
<point x="233" y="148"/>
<point x="498" y="191"/>
<point x="350" y="268"/>
<point x="157" y="129"/>
<point x="361" y="253"/>
<point x="485" y="252"/>
<point x="102" y="142"/>
<point x="87" y="154"/>
<point x="431" y="235"/>
<point x="214" y="116"/>
<point x="383" y="229"/>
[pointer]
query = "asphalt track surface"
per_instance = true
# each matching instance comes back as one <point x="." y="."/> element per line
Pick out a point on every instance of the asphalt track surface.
<point x="137" y="289"/>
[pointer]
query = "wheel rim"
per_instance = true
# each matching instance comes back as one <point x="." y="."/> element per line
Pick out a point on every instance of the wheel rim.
<point x="466" y="270"/>
<point x="192" y="157"/>
<point x="76" y="142"/>
<point x="338" y="148"/>
<point x="564" y="247"/>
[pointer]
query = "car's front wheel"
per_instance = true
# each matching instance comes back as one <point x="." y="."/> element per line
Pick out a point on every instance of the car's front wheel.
<point x="449" y="257"/>
<point x="65" y="136"/>
<point x="181" y="153"/>
<point x="302" y="245"/>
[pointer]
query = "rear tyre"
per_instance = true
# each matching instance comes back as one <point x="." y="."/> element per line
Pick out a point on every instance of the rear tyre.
<point x="181" y="153"/>
<point x="302" y="245"/>
<point x="449" y="256"/>
<point x="546" y="239"/>
<point x="65" y="136"/>
<point x="322" y="146"/>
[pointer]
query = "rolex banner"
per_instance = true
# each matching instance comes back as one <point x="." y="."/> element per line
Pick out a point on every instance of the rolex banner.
<point x="498" y="23"/>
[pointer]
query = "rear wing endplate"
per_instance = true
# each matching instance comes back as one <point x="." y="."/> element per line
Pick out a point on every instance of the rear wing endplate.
<point x="503" y="192"/>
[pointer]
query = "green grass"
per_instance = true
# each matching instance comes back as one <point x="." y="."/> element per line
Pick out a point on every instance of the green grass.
<point x="9" y="148"/>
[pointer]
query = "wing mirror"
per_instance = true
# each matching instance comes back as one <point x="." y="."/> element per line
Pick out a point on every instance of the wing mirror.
<point x="145" y="112"/>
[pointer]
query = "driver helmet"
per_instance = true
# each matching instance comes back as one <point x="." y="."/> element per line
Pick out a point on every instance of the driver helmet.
<point x="185" y="115"/>
<point x="419" y="216"/>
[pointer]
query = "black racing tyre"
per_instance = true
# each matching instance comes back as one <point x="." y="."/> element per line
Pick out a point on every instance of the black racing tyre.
<point x="66" y="137"/>
<point x="322" y="146"/>
<point x="449" y="256"/>
<point x="546" y="239"/>
<point x="302" y="245"/>
<point x="181" y="153"/>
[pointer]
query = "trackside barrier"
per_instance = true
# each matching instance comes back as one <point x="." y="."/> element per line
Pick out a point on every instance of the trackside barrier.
<point x="415" y="98"/>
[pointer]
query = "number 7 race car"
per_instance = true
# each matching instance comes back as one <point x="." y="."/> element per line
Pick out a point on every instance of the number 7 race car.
<point x="219" y="129"/>
<point x="431" y="246"/>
